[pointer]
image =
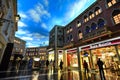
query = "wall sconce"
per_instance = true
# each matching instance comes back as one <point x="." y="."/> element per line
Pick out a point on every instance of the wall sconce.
<point x="17" y="18"/>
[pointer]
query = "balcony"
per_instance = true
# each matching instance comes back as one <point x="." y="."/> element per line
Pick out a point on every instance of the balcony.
<point x="96" y="34"/>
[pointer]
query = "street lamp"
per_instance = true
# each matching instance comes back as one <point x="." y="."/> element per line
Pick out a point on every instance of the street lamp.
<point x="17" y="18"/>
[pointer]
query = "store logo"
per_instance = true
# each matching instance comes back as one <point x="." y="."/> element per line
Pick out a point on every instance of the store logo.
<point x="101" y="45"/>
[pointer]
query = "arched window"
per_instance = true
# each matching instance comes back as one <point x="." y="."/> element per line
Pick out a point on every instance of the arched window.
<point x="85" y="18"/>
<point x="116" y="16"/>
<point x="71" y="38"/>
<point x="97" y="11"/>
<point x="93" y="26"/>
<point x="78" y="23"/>
<point x="87" y="30"/>
<point x="80" y="35"/>
<point x="101" y="23"/>
<point x="91" y="15"/>
<point x="111" y="2"/>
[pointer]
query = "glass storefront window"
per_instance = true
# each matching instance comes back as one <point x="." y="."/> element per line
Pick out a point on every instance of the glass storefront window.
<point x="107" y="54"/>
<point x="60" y="57"/>
<point x="72" y="59"/>
<point x="85" y="55"/>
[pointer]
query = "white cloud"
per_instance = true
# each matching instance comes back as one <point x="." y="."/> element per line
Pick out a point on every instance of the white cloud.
<point x="44" y="25"/>
<point x="75" y="9"/>
<point x="38" y="12"/>
<point x="34" y="15"/>
<point x="27" y="38"/>
<point x="22" y="15"/>
<point x="21" y="31"/>
<point x="21" y="24"/>
<point x="46" y="2"/>
<point x="30" y="44"/>
<point x="38" y="36"/>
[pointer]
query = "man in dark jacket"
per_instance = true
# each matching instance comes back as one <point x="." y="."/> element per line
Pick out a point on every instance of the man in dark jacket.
<point x="85" y="65"/>
<point x="100" y="65"/>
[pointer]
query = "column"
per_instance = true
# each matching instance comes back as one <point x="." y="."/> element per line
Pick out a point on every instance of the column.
<point x="79" y="63"/>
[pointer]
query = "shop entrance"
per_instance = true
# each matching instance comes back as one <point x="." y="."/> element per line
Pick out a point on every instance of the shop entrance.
<point x="72" y="60"/>
<point x="60" y="57"/>
<point x="85" y="55"/>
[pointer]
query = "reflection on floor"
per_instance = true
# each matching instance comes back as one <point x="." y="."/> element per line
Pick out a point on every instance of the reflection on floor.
<point x="46" y="74"/>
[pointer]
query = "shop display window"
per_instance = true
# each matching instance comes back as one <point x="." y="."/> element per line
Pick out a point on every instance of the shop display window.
<point x="51" y="56"/>
<point x="85" y="55"/>
<point x="107" y="54"/>
<point x="60" y="57"/>
<point x="72" y="60"/>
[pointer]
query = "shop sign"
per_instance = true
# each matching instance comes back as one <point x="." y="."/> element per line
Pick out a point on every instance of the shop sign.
<point x="86" y="48"/>
<point x="101" y="45"/>
<point x="115" y="42"/>
<point x="72" y="50"/>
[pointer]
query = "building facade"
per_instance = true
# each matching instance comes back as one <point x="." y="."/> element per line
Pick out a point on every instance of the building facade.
<point x="19" y="47"/>
<point x="96" y="33"/>
<point x="56" y="42"/>
<point x="8" y="27"/>
<point x="38" y="54"/>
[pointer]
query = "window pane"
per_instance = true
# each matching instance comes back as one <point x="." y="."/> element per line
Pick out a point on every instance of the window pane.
<point x="116" y="19"/>
<point x="80" y="36"/>
<point x="87" y="19"/>
<point x="109" y="4"/>
<point x="93" y="15"/>
<point x="99" y="11"/>
<point x="113" y="1"/>
<point x="96" y="13"/>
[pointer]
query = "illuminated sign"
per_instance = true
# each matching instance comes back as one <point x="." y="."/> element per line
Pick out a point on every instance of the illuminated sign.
<point x="72" y="50"/>
<point x="100" y="45"/>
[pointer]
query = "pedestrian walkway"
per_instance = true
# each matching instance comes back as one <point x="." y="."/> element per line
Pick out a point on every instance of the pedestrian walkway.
<point x="50" y="74"/>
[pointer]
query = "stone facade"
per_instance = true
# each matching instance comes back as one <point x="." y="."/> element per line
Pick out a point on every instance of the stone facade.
<point x="8" y="25"/>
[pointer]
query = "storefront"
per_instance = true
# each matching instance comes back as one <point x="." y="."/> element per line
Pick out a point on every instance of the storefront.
<point x="108" y="51"/>
<point x="36" y="62"/>
<point x="72" y="57"/>
<point x="60" y="56"/>
<point x="51" y="55"/>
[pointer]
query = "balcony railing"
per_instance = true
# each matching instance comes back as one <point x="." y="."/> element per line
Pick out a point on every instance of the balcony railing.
<point x="96" y="33"/>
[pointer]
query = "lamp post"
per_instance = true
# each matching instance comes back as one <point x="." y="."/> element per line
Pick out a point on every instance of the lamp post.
<point x="8" y="50"/>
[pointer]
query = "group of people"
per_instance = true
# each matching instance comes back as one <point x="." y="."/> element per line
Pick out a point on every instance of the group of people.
<point x="100" y="65"/>
<point x="51" y="64"/>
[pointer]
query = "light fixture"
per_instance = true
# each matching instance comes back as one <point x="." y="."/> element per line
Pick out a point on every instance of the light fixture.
<point x="17" y="18"/>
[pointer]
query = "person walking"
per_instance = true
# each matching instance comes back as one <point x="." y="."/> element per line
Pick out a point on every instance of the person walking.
<point x="30" y="63"/>
<point x="54" y="64"/>
<point x="100" y="65"/>
<point x="85" y="65"/>
<point x="51" y="64"/>
<point x="47" y="63"/>
<point x="61" y="65"/>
